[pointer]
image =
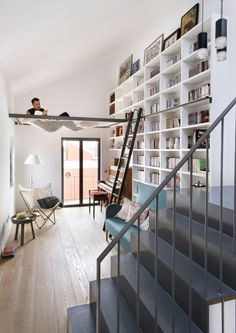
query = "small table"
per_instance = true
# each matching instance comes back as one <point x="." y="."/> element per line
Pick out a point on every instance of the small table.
<point x="29" y="219"/>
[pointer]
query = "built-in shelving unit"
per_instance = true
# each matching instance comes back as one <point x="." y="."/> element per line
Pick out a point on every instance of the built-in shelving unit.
<point x="177" y="108"/>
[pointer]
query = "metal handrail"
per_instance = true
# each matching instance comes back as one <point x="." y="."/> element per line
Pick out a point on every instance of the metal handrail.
<point x="155" y="195"/>
<point x="165" y="182"/>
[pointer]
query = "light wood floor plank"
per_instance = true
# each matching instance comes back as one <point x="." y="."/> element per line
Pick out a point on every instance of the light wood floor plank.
<point x="51" y="273"/>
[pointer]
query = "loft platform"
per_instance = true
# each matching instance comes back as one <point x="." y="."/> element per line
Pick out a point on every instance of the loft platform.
<point x="54" y="123"/>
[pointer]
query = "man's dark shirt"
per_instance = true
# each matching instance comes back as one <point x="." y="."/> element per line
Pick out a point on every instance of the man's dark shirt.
<point x="32" y="111"/>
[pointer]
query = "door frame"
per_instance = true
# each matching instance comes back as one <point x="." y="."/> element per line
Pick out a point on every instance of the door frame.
<point x="81" y="167"/>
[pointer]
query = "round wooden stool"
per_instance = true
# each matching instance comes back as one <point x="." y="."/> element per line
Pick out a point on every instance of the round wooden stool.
<point x="97" y="196"/>
<point x="22" y="222"/>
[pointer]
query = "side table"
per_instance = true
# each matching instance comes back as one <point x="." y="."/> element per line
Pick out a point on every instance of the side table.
<point x="27" y="220"/>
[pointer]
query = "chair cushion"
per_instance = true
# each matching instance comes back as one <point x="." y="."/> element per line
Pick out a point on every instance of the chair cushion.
<point x="114" y="225"/>
<point x="133" y="208"/>
<point x="48" y="202"/>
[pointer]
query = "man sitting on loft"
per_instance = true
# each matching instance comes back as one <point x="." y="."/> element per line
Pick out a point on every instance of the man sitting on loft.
<point x="37" y="110"/>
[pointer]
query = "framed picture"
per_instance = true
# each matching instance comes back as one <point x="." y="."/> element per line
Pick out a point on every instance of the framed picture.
<point x="135" y="66"/>
<point x="153" y="50"/>
<point x="172" y="38"/>
<point x="125" y="69"/>
<point x="190" y="19"/>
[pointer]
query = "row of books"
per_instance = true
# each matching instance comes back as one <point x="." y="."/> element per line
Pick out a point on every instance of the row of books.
<point x="155" y="108"/>
<point x="141" y="175"/>
<point x="154" y="161"/>
<point x="140" y="144"/>
<point x="173" y="143"/>
<point x="155" y="126"/>
<point x="155" y="178"/>
<point x="200" y="92"/>
<point x="154" y="90"/>
<point x="173" y="80"/>
<point x="155" y="72"/>
<point x="140" y="159"/>
<point x="155" y="143"/>
<point x="172" y="102"/>
<point x="140" y="96"/>
<point x="195" y="136"/>
<point x="198" y="117"/>
<point x="119" y="131"/>
<point x="173" y="122"/>
<point x="173" y="60"/>
<point x="199" y="68"/>
<point x="199" y="165"/>
<point x="139" y="82"/>
<point x="171" y="162"/>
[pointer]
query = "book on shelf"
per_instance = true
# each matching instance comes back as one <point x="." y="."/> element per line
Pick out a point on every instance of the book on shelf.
<point x="155" y="72"/>
<point x="112" y="109"/>
<point x="140" y="96"/>
<point x="154" y="178"/>
<point x="195" y="136"/>
<point x="173" y="60"/>
<point x="141" y="175"/>
<point x="155" y="143"/>
<point x="171" y="162"/>
<point x="140" y="159"/>
<point x="155" y="161"/>
<point x="155" y="125"/>
<point x="140" y="144"/>
<point x="172" y="102"/>
<point x="119" y="131"/>
<point x="199" y="165"/>
<point x="173" y="80"/>
<point x="154" y="90"/>
<point x="199" y="68"/>
<point x="173" y="143"/>
<point x="198" y="117"/>
<point x="199" y="92"/>
<point x="173" y="122"/>
<point x="112" y="97"/>
<point x="192" y="47"/>
<point x="154" y="108"/>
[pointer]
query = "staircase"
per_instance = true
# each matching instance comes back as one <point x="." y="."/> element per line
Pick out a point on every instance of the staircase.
<point x="180" y="275"/>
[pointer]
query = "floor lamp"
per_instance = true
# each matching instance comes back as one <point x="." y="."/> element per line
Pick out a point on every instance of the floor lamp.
<point x="33" y="159"/>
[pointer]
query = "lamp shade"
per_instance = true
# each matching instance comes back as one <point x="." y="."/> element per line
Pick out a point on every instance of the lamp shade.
<point x="33" y="159"/>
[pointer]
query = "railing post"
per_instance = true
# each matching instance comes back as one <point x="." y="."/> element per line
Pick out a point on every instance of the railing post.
<point x="138" y="281"/>
<point x="173" y="255"/>
<point x="221" y="222"/>
<point x="190" y="240"/>
<point x="98" y="302"/>
<point x="234" y="217"/>
<point x="206" y="219"/>
<point x="118" y="288"/>
<point x="156" y="263"/>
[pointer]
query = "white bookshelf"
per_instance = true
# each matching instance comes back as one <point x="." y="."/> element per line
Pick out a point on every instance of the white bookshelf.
<point x="136" y="92"/>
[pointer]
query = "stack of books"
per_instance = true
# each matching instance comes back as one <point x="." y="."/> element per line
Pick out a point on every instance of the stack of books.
<point x="172" y="102"/>
<point x="141" y="175"/>
<point x="173" y="80"/>
<point x="155" y="126"/>
<point x="173" y="60"/>
<point x="173" y="122"/>
<point x="8" y="252"/>
<point x="155" y="108"/>
<point x="155" y="90"/>
<point x="140" y="159"/>
<point x="192" y="139"/>
<point x="199" y="68"/>
<point x="198" y="117"/>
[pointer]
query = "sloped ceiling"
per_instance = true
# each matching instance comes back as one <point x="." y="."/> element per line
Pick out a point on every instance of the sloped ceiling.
<point x="42" y="40"/>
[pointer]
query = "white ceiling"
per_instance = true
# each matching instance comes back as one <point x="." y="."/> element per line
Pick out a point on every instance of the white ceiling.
<point x="42" y="40"/>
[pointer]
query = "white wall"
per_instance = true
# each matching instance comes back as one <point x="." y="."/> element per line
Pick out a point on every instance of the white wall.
<point x="6" y="194"/>
<point x="82" y="94"/>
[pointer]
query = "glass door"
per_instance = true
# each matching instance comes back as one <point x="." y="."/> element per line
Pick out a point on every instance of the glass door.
<point x="80" y="169"/>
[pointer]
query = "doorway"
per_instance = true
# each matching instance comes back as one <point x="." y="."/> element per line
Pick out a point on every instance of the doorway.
<point x="80" y="169"/>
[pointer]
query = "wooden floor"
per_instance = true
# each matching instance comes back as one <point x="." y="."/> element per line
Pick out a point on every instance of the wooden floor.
<point x="51" y="273"/>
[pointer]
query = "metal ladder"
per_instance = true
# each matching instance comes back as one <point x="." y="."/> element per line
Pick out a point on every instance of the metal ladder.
<point x="124" y="160"/>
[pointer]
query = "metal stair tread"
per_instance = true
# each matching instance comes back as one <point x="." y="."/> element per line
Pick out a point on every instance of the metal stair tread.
<point x="198" y="229"/>
<point x="181" y="269"/>
<point x="80" y="319"/>
<point x="109" y="307"/>
<point x="128" y="268"/>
